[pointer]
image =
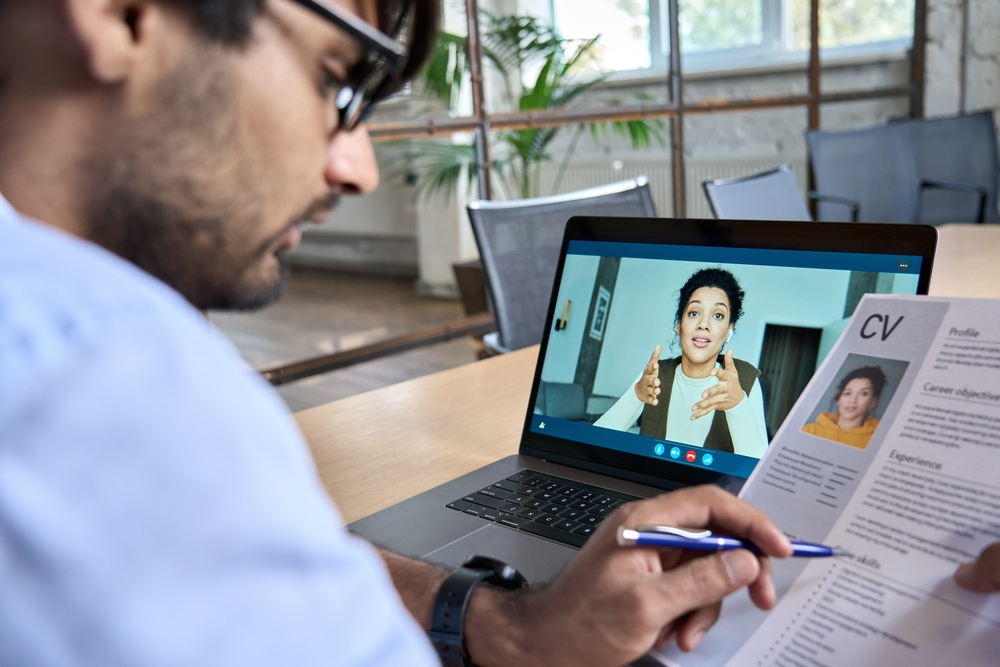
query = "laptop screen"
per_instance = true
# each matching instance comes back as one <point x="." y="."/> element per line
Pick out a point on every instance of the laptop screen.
<point x="684" y="358"/>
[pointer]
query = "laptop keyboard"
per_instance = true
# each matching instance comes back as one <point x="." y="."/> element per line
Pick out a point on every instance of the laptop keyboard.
<point x="552" y="507"/>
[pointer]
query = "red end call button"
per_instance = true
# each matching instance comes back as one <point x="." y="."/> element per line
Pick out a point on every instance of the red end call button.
<point x="690" y="456"/>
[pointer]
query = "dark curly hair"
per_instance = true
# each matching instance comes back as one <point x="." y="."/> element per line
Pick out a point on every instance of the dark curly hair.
<point x="231" y="22"/>
<point x="873" y="374"/>
<point x="718" y="278"/>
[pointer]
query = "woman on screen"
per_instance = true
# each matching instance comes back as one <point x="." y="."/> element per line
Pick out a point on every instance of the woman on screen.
<point x="858" y="393"/>
<point x="675" y="395"/>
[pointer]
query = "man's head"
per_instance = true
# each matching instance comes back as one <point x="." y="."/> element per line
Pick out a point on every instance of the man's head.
<point x="192" y="137"/>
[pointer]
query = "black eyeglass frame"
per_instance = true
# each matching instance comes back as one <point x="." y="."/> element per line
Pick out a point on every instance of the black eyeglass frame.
<point x="374" y="84"/>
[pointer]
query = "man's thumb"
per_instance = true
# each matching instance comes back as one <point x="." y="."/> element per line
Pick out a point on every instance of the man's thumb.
<point x="707" y="580"/>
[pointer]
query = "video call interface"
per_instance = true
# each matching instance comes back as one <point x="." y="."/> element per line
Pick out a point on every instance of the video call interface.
<point x="620" y="308"/>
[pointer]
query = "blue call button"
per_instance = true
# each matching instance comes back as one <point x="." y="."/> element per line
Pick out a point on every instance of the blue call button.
<point x="675" y="452"/>
<point x="707" y="459"/>
<point x="659" y="449"/>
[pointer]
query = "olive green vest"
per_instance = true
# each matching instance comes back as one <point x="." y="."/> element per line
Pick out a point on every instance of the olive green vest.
<point x="654" y="418"/>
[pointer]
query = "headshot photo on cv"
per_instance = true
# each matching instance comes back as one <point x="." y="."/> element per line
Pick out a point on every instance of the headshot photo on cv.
<point x="853" y="404"/>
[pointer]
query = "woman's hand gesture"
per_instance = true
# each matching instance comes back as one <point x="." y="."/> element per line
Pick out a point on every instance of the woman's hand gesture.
<point x="723" y="396"/>
<point x="648" y="386"/>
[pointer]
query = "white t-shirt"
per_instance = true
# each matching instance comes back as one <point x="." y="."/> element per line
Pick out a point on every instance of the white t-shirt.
<point x="746" y="419"/>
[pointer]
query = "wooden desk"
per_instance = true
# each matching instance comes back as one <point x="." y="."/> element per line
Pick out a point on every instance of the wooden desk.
<point x="376" y="449"/>
<point x="967" y="262"/>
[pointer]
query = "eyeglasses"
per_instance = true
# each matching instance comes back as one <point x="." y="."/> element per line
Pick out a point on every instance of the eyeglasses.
<point x="374" y="77"/>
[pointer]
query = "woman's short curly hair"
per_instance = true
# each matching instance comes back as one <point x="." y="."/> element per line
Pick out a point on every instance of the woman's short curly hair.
<point x="718" y="278"/>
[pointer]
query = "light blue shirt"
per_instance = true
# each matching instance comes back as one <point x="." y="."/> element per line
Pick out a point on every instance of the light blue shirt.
<point x="157" y="504"/>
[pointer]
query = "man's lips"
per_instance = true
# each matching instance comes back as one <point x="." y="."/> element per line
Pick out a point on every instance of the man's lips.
<point x="317" y="213"/>
<point x="291" y="238"/>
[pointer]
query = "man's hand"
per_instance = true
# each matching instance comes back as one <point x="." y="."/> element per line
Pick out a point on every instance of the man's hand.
<point x="723" y="396"/>
<point x="648" y="386"/>
<point x="983" y="574"/>
<point x="612" y="604"/>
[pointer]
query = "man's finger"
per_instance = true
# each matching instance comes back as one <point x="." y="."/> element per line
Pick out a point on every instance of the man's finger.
<point x="762" y="591"/>
<point x="983" y="574"/>
<point x="694" y="626"/>
<point x="707" y="506"/>
<point x="705" y="581"/>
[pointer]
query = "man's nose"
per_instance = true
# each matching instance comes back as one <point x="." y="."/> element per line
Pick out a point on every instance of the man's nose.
<point x="350" y="162"/>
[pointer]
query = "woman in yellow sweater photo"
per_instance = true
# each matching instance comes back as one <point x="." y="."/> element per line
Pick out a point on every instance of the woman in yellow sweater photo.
<point x="858" y="393"/>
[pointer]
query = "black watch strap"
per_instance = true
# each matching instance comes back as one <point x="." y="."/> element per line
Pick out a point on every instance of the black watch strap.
<point x="448" y="621"/>
<point x="447" y="631"/>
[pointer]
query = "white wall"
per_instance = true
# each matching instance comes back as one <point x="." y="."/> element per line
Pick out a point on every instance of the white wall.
<point x="564" y="346"/>
<point x="963" y="57"/>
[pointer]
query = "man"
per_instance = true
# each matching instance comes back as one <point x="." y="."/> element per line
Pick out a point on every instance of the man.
<point x="983" y="574"/>
<point x="157" y="506"/>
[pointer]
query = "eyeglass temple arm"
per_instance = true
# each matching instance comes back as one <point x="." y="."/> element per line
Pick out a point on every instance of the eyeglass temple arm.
<point x="371" y="36"/>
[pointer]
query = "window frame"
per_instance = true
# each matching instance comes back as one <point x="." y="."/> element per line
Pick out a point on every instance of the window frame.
<point x="774" y="50"/>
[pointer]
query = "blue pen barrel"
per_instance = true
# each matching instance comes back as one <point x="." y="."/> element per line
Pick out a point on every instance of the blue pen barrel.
<point x="710" y="542"/>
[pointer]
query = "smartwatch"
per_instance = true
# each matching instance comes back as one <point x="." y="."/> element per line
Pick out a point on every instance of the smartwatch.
<point x="447" y="631"/>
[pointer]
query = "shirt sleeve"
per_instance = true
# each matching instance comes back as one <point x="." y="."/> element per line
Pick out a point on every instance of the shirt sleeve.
<point x="624" y="412"/>
<point x="746" y="424"/>
<point x="159" y="508"/>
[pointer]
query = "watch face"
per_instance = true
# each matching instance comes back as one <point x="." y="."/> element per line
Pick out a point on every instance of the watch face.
<point x="503" y="575"/>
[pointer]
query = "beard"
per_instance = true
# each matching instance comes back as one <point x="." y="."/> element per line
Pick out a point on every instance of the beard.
<point x="168" y="191"/>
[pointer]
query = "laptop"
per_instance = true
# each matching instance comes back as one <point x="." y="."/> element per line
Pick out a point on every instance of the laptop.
<point x="588" y="444"/>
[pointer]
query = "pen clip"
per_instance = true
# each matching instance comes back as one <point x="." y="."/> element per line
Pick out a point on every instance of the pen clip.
<point x="670" y="530"/>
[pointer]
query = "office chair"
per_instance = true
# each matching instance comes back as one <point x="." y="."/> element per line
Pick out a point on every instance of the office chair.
<point x="768" y="195"/>
<point x="519" y="243"/>
<point x="927" y="171"/>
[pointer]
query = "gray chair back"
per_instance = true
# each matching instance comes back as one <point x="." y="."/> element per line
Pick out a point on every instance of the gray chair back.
<point x="931" y="171"/>
<point x="869" y="166"/>
<point x="519" y="243"/>
<point x="959" y="150"/>
<point x="769" y="195"/>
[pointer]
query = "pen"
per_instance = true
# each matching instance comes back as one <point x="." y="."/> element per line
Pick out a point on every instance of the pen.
<point x="678" y="538"/>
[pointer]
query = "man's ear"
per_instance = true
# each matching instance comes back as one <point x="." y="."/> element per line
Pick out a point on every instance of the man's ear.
<point x="110" y="32"/>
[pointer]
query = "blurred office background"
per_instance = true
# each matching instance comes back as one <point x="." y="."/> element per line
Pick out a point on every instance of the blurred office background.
<point x="750" y="77"/>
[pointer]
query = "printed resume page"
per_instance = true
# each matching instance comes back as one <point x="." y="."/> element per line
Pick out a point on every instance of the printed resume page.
<point x="892" y="453"/>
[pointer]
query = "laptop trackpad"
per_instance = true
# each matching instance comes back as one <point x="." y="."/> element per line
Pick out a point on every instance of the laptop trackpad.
<point x="537" y="559"/>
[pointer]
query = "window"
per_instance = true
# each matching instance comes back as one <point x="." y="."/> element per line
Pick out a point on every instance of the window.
<point x="719" y="34"/>
<point x="853" y="22"/>
<point x="622" y="24"/>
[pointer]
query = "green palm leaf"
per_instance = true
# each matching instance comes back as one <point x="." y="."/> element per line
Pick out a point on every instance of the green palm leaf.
<point x="515" y="46"/>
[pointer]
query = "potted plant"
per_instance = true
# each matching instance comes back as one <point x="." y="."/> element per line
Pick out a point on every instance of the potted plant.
<point x="539" y="69"/>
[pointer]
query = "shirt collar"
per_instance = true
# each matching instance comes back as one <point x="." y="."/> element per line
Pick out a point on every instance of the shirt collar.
<point x="7" y="212"/>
